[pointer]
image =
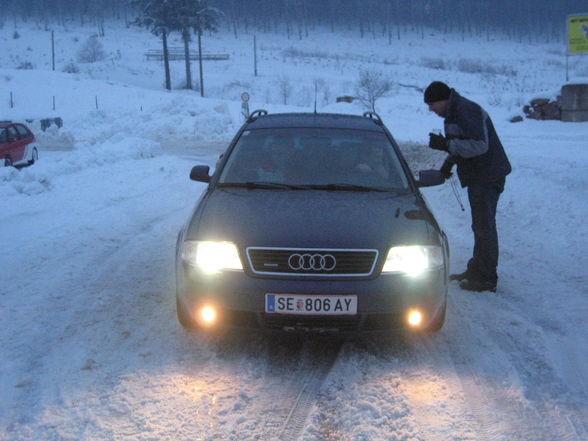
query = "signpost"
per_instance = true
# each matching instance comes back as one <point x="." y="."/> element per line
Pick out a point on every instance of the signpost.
<point x="245" y="105"/>
<point x="577" y="44"/>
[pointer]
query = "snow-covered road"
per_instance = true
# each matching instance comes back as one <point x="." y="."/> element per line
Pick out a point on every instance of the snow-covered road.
<point x="90" y="348"/>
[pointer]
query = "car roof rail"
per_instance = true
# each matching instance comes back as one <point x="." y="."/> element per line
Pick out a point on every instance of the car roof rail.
<point x="256" y="114"/>
<point x="6" y="122"/>
<point x="373" y="116"/>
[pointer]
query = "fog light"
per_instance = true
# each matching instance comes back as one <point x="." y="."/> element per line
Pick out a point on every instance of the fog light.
<point x="415" y="318"/>
<point x="208" y="315"/>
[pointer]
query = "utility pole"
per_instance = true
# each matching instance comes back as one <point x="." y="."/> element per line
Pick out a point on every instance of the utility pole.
<point x="200" y="61"/>
<point x="53" y="49"/>
<point x="255" y="55"/>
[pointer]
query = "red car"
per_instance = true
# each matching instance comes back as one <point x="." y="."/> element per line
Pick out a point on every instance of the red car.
<point x="18" y="146"/>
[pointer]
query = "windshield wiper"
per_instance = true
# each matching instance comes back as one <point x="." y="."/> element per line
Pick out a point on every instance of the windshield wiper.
<point x="348" y="187"/>
<point x="263" y="184"/>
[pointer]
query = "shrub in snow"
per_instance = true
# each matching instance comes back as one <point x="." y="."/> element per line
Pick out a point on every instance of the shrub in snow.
<point x="16" y="35"/>
<point x="25" y="65"/>
<point x="297" y="53"/>
<point x="285" y="88"/>
<point x="91" y="51"/>
<point x="71" y="68"/>
<point x="434" y="63"/>
<point x="469" y="65"/>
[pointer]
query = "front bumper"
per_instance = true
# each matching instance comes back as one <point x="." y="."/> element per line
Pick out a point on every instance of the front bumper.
<point x="382" y="302"/>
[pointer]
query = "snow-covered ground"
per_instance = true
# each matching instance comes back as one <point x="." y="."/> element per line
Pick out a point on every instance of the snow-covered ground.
<point x="90" y="348"/>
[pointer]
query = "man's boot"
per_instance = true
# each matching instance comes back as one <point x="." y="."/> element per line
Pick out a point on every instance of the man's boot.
<point x="478" y="285"/>
<point x="460" y="276"/>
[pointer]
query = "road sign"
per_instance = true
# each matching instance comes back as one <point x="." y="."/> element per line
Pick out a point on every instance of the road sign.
<point x="578" y="34"/>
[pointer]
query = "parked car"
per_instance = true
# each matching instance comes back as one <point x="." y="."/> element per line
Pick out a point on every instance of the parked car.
<point x="18" y="146"/>
<point x="312" y="222"/>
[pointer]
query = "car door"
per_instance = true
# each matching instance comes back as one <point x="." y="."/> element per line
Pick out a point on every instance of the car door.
<point x="26" y="137"/>
<point x="17" y="145"/>
<point x="4" y="146"/>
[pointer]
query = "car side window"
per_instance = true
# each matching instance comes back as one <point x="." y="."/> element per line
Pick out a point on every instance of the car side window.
<point x="3" y="135"/>
<point x="22" y="131"/>
<point x="12" y="133"/>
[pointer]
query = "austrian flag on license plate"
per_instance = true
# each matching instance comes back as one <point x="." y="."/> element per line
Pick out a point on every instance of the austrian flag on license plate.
<point x="310" y="304"/>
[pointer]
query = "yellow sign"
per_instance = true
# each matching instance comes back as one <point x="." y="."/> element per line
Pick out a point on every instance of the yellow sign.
<point x="578" y="34"/>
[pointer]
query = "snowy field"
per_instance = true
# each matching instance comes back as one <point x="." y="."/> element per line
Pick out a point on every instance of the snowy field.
<point x="90" y="348"/>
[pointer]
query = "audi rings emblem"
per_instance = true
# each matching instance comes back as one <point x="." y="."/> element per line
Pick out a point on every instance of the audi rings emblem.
<point x="312" y="262"/>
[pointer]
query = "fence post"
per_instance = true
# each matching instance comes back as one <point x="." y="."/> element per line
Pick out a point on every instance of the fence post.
<point x="53" y="50"/>
<point x="53" y="102"/>
<point x="11" y="101"/>
<point x="96" y="100"/>
<point x="255" y="55"/>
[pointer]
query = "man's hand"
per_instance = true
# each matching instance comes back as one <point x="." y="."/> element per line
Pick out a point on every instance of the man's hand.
<point x="437" y="142"/>
<point x="446" y="169"/>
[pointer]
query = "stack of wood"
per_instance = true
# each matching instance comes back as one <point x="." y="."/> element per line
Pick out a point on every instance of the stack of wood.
<point x="543" y="109"/>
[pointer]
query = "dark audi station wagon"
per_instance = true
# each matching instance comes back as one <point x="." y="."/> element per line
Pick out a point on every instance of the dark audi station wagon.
<point x="312" y="223"/>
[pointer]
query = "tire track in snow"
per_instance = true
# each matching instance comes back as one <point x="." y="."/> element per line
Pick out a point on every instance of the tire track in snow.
<point x="321" y="359"/>
<point x="498" y="409"/>
<point x="362" y="398"/>
<point x="553" y="401"/>
<point x="293" y="369"/>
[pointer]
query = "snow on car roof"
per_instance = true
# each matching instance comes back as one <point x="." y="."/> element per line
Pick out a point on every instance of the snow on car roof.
<point x="330" y="120"/>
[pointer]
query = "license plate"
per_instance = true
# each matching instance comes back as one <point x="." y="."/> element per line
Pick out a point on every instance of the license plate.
<point x="310" y="304"/>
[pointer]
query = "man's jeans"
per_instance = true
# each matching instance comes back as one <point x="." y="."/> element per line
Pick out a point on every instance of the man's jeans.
<point x="483" y="201"/>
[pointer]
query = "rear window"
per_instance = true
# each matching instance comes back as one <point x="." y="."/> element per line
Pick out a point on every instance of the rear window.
<point x="3" y="135"/>
<point x="315" y="156"/>
<point x="22" y="131"/>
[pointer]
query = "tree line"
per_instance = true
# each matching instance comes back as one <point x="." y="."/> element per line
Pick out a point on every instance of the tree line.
<point x="534" y="20"/>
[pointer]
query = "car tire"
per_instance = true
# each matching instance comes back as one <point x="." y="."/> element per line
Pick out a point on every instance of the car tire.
<point x="438" y="320"/>
<point x="7" y="161"/>
<point x="184" y="316"/>
<point x="34" y="157"/>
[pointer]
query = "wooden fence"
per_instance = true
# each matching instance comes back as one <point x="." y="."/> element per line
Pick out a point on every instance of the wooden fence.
<point x="177" y="53"/>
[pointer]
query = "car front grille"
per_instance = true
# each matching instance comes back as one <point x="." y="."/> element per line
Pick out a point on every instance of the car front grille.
<point x="311" y="324"/>
<point x="312" y="261"/>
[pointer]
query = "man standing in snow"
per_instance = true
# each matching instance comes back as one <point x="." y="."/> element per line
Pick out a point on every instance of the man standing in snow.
<point x="482" y="165"/>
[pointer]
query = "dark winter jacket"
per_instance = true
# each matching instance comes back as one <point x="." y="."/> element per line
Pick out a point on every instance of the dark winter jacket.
<point x="473" y="143"/>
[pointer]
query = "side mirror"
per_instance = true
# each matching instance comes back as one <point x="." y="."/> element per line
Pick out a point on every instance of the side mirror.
<point x="200" y="173"/>
<point x="430" y="178"/>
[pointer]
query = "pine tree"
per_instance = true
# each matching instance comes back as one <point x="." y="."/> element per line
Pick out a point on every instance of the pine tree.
<point x="196" y="16"/>
<point x="158" y="16"/>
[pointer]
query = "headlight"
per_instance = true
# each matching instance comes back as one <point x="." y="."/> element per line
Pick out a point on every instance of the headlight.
<point x="413" y="260"/>
<point x="211" y="256"/>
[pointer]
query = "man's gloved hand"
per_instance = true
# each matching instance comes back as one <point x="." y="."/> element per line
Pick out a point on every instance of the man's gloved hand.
<point x="446" y="169"/>
<point x="437" y="142"/>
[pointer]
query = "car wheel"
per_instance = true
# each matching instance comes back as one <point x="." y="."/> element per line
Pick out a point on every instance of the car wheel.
<point x="7" y="161"/>
<point x="438" y="320"/>
<point x="184" y="316"/>
<point x="34" y="157"/>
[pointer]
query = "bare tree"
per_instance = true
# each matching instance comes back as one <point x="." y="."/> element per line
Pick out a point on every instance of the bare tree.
<point x="285" y="88"/>
<point x="371" y="86"/>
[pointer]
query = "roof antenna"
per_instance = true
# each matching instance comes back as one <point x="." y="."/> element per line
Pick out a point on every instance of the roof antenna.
<point x="315" y="93"/>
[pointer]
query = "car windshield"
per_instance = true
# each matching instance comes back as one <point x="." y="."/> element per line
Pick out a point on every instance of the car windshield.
<point x="328" y="159"/>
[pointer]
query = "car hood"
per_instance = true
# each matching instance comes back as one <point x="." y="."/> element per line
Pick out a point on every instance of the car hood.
<point x="310" y="219"/>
